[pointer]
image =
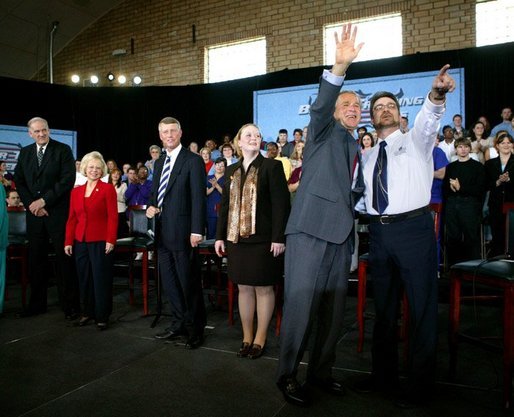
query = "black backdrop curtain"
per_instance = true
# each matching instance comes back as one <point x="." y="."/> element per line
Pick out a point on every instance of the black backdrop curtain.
<point x="121" y="123"/>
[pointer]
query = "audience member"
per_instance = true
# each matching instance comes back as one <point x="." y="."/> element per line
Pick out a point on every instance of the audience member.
<point x="155" y="153"/>
<point x="361" y="130"/>
<point x="487" y="126"/>
<point x="272" y="152"/>
<point x="367" y="142"/>
<point x="215" y="183"/>
<point x="6" y="178"/>
<point x="13" y="199"/>
<point x="205" y="153"/>
<point x="282" y="141"/>
<point x="404" y="124"/>
<point x="131" y="176"/>
<point x="320" y="234"/>
<point x="297" y="136"/>
<point x="215" y="153"/>
<point x="398" y="175"/>
<point x="448" y="143"/>
<point x="138" y="192"/>
<point x="492" y="151"/>
<point x="120" y="188"/>
<point x="440" y="162"/>
<point x="178" y="206"/>
<point x="464" y="190"/>
<point x="305" y="132"/>
<point x="252" y="219"/>
<point x="227" y="152"/>
<point x="193" y="147"/>
<point x="479" y="142"/>
<point x="91" y="235"/>
<point x="4" y="230"/>
<point x="44" y="176"/>
<point x="124" y="177"/>
<point x="505" y="124"/>
<point x="501" y="190"/>
<point x="296" y="157"/>
<point x="458" y="130"/>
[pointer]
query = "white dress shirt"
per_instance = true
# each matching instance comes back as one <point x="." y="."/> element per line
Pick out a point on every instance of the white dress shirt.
<point x="410" y="167"/>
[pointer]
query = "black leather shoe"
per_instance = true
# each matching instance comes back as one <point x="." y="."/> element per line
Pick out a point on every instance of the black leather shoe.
<point x="194" y="342"/>
<point x="169" y="335"/>
<point x="256" y="351"/>
<point x="244" y="350"/>
<point x="329" y="385"/>
<point x="293" y="392"/>
<point x="102" y="325"/>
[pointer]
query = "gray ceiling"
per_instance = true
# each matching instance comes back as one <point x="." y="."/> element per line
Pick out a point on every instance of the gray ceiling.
<point x="25" y="27"/>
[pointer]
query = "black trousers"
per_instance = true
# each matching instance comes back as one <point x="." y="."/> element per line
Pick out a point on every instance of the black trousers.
<point x="181" y="280"/>
<point x="95" y="271"/>
<point x="404" y="254"/>
<point x="462" y="224"/>
<point x="40" y="232"/>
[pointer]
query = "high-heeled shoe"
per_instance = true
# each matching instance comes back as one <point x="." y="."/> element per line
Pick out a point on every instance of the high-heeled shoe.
<point x="244" y="350"/>
<point x="101" y="326"/>
<point x="256" y="351"/>
<point x="84" y="320"/>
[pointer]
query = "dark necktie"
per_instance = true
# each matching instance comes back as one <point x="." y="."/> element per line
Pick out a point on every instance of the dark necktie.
<point x="163" y="183"/>
<point x="380" y="197"/>
<point x="40" y="156"/>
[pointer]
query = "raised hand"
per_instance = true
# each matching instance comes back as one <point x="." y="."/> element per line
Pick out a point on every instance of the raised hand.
<point x="346" y="50"/>
<point x="443" y="83"/>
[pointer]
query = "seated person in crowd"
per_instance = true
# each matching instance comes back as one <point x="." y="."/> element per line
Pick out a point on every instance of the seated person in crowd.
<point x="13" y="199"/>
<point x="464" y="191"/>
<point x="138" y="192"/>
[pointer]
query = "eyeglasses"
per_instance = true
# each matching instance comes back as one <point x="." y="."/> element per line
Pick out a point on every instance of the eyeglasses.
<point x="380" y="107"/>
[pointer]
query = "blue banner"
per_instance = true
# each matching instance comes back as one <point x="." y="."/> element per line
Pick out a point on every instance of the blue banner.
<point x="288" y="108"/>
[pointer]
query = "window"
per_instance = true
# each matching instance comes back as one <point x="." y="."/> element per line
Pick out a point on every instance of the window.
<point x="235" y="60"/>
<point x="382" y="37"/>
<point x="495" y="22"/>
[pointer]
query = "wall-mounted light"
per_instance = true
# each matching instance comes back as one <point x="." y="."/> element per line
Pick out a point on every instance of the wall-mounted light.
<point x="94" y="79"/>
<point x="136" y="80"/>
<point x="122" y="79"/>
<point x="75" y="79"/>
<point x="110" y="76"/>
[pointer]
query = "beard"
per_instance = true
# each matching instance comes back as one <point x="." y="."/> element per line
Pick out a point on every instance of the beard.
<point x="386" y="122"/>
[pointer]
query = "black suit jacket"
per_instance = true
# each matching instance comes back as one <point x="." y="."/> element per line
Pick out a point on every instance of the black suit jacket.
<point x="53" y="180"/>
<point x="505" y="192"/>
<point x="273" y="202"/>
<point x="184" y="206"/>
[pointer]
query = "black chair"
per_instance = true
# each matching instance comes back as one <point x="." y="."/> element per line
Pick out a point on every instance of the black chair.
<point x="17" y="249"/>
<point x="495" y="275"/>
<point x="139" y="241"/>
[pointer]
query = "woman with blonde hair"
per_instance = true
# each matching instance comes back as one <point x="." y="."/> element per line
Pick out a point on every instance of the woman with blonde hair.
<point x="252" y="219"/>
<point x="91" y="235"/>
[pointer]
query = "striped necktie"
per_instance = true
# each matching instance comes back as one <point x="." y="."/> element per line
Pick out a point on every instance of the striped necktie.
<point x="163" y="183"/>
<point x="40" y="156"/>
<point x="380" y="197"/>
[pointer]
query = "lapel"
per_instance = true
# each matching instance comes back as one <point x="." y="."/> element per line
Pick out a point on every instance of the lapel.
<point x="177" y="167"/>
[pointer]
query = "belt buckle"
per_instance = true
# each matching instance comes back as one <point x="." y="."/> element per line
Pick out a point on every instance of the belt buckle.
<point x="385" y="219"/>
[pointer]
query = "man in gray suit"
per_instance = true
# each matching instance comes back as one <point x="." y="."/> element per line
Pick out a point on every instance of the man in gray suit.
<point x="320" y="232"/>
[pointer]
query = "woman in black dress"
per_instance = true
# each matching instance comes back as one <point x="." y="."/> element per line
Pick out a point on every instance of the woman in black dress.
<point x="252" y="219"/>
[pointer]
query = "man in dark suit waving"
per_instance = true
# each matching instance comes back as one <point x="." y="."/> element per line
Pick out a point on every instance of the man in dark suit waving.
<point x="44" y="177"/>
<point x="320" y="233"/>
<point x="178" y="203"/>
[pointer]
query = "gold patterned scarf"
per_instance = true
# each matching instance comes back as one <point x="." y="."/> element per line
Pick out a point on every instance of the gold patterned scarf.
<point x="242" y="209"/>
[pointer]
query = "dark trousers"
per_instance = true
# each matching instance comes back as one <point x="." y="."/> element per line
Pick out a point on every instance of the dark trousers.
<point x="315" y="287"/>
<point x="497" y="223"/>
<point x="404" y="254"/>
<point x="39" y="235"/>
<point x="180" y="275"/>
<point x="95" y="272"/>
<point x="462" y="223"/>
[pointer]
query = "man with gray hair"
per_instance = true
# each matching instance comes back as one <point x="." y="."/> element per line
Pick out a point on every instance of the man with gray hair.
<point x="44" y="177"/>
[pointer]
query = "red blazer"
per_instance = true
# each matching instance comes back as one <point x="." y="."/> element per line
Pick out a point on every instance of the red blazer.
<point x="100" y="223"/>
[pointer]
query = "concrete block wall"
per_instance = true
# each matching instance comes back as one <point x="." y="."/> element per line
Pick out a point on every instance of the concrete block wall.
<point x="164" y="53"/>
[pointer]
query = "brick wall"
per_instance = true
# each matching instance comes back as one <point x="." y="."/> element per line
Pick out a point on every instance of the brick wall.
<point x="165" y="54"/>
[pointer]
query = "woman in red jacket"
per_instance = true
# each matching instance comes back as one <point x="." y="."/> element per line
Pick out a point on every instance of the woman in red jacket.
<point x="91" y="234"/>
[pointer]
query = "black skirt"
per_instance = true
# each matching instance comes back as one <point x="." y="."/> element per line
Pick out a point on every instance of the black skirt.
<point x="253" y="264"/>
